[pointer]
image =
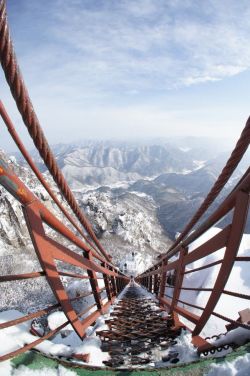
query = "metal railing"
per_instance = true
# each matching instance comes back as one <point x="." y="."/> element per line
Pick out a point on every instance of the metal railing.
<point x="49" y="251"/>
<point x="175" y="264"/>
<point x="166" y="278"/>
<point x="90" y="258"/>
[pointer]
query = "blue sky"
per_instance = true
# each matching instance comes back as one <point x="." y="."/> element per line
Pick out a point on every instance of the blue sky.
<point x="133" y="68"/>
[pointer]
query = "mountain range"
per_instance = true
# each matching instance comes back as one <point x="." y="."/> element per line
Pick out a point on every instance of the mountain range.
<point x="136" y="196"/>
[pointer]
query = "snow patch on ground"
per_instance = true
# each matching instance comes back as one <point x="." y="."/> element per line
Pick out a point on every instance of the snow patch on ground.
<point x="239" y="281"/>
<point x="18" y="336"/>
<point x="183" y="349"/>
<point x="239" y="367"/>
<point x="56" y="319"/>
<point x="61" y="345"/>
<point x="238" y="336"/>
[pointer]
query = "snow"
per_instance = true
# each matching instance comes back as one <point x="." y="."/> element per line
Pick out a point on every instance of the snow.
<point x="6" y="368"/>
<point x="240" y="367"/>
<point x="65" y="343"/>
<point x="142" y="194"/>
<point x="199" y="164"/>
<point x="12" y="159"/>
<point x="92" y="345"/>
<point x="239" y="336"/>
<point x="228" y="306"/>
<point x="68" y="343"/>
<point x="56" y="319"/>
<point x="17" y="336"/>
<point x="184" y="149"/>
<point x="186" y="351"/>
<point x="126" y="223"/>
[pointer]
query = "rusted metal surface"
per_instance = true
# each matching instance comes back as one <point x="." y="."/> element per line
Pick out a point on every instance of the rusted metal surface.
<point x="94" y="284"/>
<point x="232" y="246"/>
<point x="136" y="330"/>
<point x="33" y="344"/>
<point x="49" y="250"/>
<point x="179" y="277"/>
<point x="226" y="173"/>
<point x="244" y="317"/>
<point x="39" y="175"/>
<point x="229" y="238"/>
<point x="20" y="94"/>
<point x="165" y="278"/>
<point x="31" y="316"/>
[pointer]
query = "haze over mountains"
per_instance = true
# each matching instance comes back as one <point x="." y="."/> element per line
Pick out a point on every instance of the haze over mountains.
<point x="174" y="176"/>
<point x="110" y="162"/>
<point x="137" y="196"/>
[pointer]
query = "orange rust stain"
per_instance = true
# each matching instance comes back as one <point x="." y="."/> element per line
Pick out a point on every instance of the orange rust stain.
<point x="21" y="192"/>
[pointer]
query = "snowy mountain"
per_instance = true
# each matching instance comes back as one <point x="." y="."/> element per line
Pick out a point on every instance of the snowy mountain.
<point x="105" y="163"/>
<point x="150" y="192"/>
<point x="17" y="254"/>
<point x="126" y="225"/>
<point x="176" y="174"/>
<point x="135" y="213"/>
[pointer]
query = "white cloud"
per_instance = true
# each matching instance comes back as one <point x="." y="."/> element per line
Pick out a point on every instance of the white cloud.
<point x="142" y="45"/>
<point x="98" y="60"/>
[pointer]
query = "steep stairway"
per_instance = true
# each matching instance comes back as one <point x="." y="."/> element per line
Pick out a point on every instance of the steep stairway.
<point x="139" y="330"/>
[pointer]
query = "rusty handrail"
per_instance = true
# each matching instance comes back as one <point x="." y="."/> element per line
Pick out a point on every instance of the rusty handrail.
<point x="229" y="237"/>
<point x="49" y="250"/>
<point x="11" y="128"/>
<point x="226" y="173"/>
<point x="156" y="277"/>
<point x="20" y="94"/>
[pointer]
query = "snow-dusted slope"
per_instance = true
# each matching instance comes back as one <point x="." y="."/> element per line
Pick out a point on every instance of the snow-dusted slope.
<point x="102" y="163"/>
<point x="124" y="224"/>
<point x="239" y="281"/>
<point x="17" y="254"/>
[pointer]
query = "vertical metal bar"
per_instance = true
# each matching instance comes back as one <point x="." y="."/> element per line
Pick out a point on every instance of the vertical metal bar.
<point x="156" y="281"/>
<point x="113" y="284"/>
<point x="106" y="283"/>
<point x="44" y="250"/>
<point x="94" y="283"/>
<point x="163" y="278"/>
<point x="150" y="283"/>
<point x="179" y="278"/>
<point x="118" y="284"/>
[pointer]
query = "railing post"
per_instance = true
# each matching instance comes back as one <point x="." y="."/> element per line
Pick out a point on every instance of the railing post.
<point x="119" y="283"/>
<point x="179" y="278"/>
<point x="122" y="284"/>
<point x="156" y="281"/>
<point x="106" y="283"/>
<point x="150" y="282"/>
<point x="113" y="283"/>
<point x="94" y="283"/>
<point x="163" y="278"/>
